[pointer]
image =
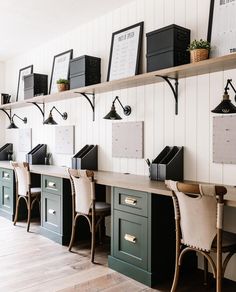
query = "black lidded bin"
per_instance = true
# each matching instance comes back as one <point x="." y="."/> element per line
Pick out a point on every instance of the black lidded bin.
<point x="167" y="47"/>
<point x="35" y="84"/>
<point x="84" y="71"/>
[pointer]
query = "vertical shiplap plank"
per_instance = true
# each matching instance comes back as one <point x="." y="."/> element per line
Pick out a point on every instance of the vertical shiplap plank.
<point x="216" y="86"/>
<point x="140" y="116"/>
<point x="203" y="129"/>
<point x="190" y="151"/>
<point x="169" y="104"/>
<point x="229" y="170"/>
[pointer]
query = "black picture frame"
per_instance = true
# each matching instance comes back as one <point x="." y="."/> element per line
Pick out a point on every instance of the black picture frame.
<point x="22" y="72"/>
<point x="138" y="53"/>
<point x="223" y="46"/>
<point x="65" y="74"/>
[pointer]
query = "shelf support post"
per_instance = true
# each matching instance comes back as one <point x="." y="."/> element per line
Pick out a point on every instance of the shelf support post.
<point x="91" y="101"/>
<point x="8" y="114"/>
<point x="174" y="88"/>
<point x="42" y="110"/>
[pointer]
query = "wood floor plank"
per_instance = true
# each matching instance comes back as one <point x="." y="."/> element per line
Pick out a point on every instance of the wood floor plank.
<point x="30" y="262"/>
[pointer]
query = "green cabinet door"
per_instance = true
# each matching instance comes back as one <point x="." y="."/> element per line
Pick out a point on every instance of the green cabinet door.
<point x="51" y="212"/>
<point x="130" y="238"/>
<point x="7" y="198"/>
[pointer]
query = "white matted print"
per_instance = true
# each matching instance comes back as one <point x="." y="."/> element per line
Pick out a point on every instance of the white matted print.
<point x="64" y="139"/>
<point x="25" y="139"/>
<point x="224" y="139"/>
<point x="127" y="139"/>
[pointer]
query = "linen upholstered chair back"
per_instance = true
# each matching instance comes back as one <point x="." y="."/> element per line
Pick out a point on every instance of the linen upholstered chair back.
<point x="22" y="175"/>
<point x="83" y="189"/>
<point x="198" y="215"/>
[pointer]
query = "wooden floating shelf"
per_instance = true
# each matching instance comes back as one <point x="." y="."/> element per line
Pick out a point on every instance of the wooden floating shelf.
<point x="204" y="67"/>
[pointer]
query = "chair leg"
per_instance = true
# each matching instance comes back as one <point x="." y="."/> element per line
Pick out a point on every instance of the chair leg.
<point x="93" y="239"/>
<point x="100" y="232"/>
<point x="17" y="210"/>
<point x="72" y="233"/>
<point x="205" y="271"/>
<point x="176" y="277"/>
<point x="29" y="213"/>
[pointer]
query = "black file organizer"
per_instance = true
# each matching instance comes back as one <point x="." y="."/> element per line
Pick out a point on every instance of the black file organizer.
<point x="5" y="150"/>
<point x="86" y="158"/>
<point x="37" y="154"/>
<point x="169" y="164"/>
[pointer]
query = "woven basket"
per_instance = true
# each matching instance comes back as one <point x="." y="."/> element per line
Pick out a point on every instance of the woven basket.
<point x="62" y="87"/>
<point x="199" y="55"/>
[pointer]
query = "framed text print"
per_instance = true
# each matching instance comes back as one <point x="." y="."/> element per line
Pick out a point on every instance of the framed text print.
<point x="125" y="52"/>
<point x="60" y="69"/>
<point x="20" y="87"/>
<point x="222" y="27"/>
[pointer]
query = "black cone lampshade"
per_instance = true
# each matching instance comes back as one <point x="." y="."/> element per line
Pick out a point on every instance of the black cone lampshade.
<point x="50" y="120"/>
<point x="12" y="123"/>
<point x="226" y="106"/>
<point x="113" y="115"/>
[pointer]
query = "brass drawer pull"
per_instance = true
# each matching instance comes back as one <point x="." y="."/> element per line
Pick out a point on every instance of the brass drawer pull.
<point x="51" y="211"/>
<point x="51" y="184"/>
<point x="130" y="201"/>
<point x="7" y="197"/>
<point x="130" y="238"/>
<point x="6" y="175"/>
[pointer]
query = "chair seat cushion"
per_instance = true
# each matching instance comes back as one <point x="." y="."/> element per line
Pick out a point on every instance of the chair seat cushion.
<point x="228" y="241"/>
<point x="35" y="191"/>
<point x="102" y="207"/>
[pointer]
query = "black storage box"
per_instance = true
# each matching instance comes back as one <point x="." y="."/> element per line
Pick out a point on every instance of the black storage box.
<point x="169" y="164"/>
<point x="86" y="158"/>
<point x="6" y="151"/>
<point x="167" y="47"/>
<point x="84" y="71"/>
<point x="37" y="154"/>
<point x="35" y="84"/>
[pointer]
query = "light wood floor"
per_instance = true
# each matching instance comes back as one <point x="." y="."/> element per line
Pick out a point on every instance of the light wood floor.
<point x="30" y="262"/>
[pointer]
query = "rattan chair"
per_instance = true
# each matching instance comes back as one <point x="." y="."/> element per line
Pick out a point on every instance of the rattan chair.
<point x="24" y="190"/>
<point x="199" y="227"/>
<point x="84" y="204"/>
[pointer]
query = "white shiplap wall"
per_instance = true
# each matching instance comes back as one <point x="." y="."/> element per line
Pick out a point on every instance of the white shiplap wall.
<point x="154" y="104"/>
<point x="2" y="115"/>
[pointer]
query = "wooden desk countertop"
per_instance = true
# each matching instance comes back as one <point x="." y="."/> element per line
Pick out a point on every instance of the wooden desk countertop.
<point x="128" y="181"/>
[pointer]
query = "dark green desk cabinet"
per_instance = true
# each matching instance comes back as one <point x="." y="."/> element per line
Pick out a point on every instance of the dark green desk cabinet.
<point x="7" y="198"/>
<point x="56" y="213"/>
<point x="142" y="243"/>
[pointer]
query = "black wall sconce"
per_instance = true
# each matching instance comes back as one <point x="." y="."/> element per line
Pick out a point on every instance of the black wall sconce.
<point x="226" y="106"/>
<point x="50" y="120"/>
<point x="13" y="125"/>
<point x="113" y="115"/>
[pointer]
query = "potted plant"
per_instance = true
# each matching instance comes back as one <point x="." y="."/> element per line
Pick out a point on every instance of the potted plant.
<point x="62" y="84"/>
<point x="199" y="50"/>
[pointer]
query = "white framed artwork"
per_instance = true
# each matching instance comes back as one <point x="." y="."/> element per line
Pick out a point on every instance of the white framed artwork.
<point x="64" y="139"/>
<point x="25" y="139"/>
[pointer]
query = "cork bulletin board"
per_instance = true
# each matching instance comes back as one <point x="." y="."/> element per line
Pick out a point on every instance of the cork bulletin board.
<point x="224" y="139"/>
<point x="127" y="140"/>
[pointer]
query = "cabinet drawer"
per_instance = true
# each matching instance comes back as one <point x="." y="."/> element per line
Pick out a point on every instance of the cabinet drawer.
<point x="52" y="184"/>
<point x="6" y="175"/>
<point x="131" y="201"/>
<point x="130" y="238"/>
<point x="6" y="195"/>
<point x="51" y="210"/>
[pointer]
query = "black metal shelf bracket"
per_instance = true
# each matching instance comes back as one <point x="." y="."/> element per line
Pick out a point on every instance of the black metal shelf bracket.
<point x="174" y="88"/>
<point x="8" y="114"/>
<point x="42" y="110"/>
<point x="91" y="101"/>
